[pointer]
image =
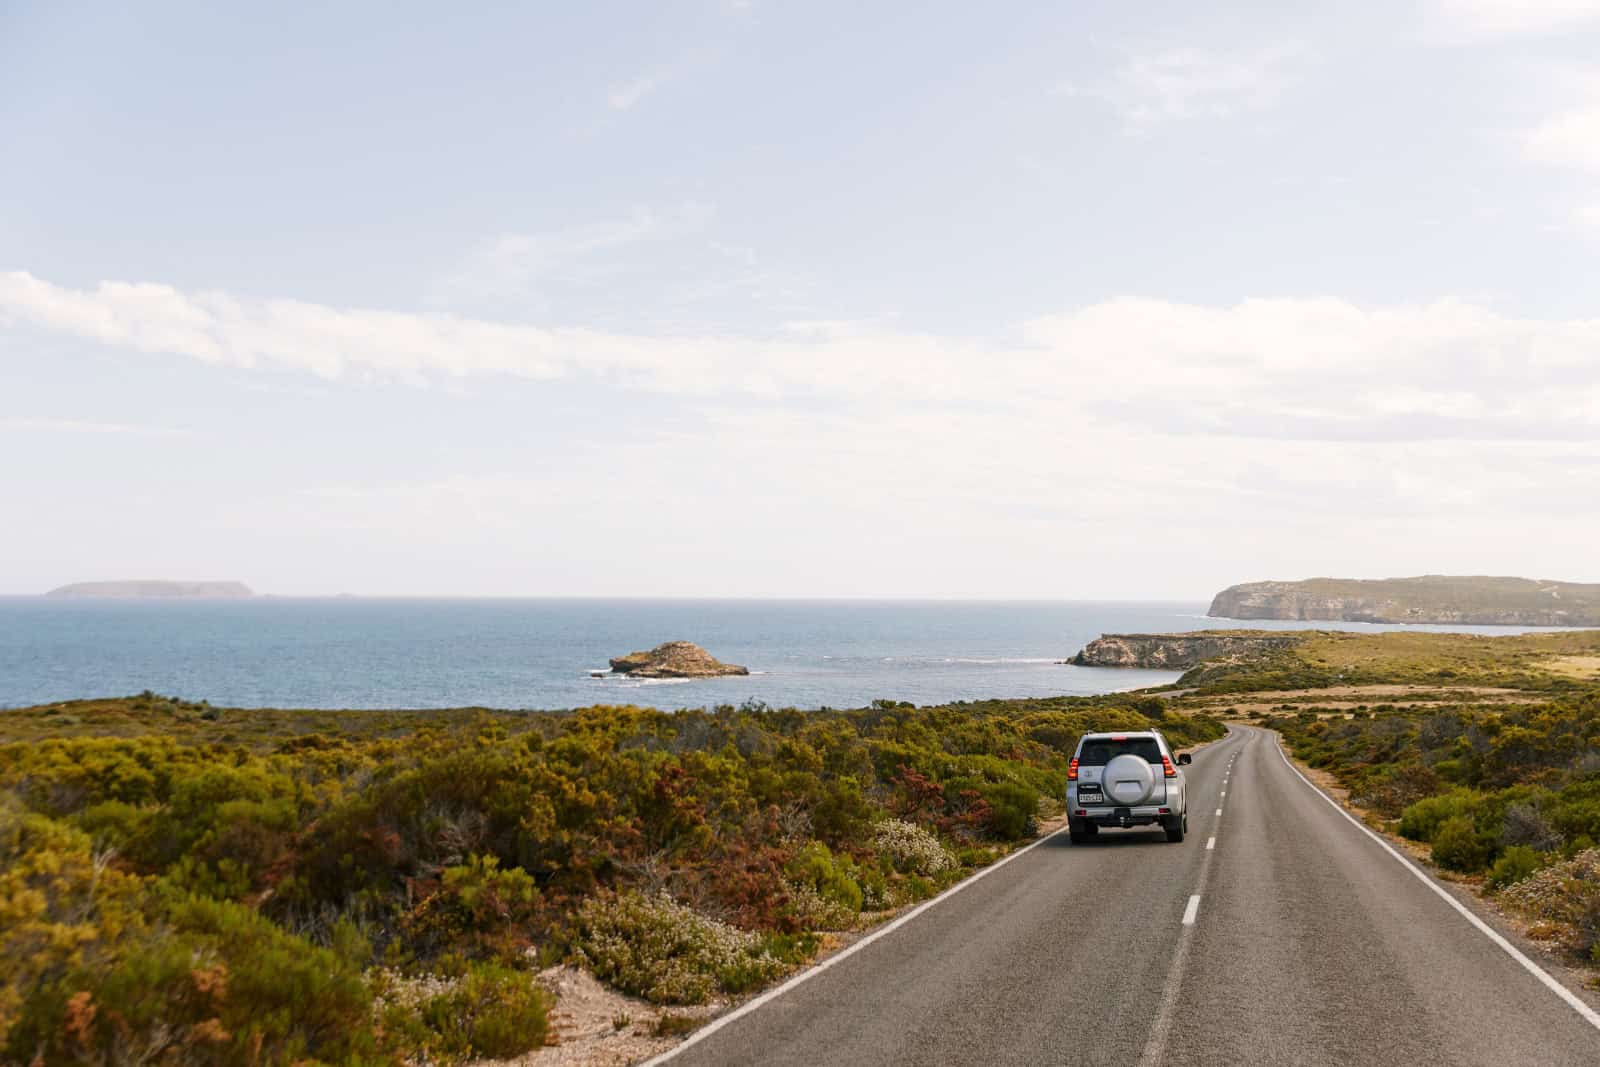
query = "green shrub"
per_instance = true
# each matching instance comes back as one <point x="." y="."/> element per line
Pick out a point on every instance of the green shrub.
<point x="1515" y="863"/>
<point x="1421" y="821"/>
<point x="222" y="984"/>
<point x="492" y="1011"/>
<point x="1458" y="846"/>
<point x="833" y="877"/>
<point x="657" y="948"/>
<point x="1016" y="809"/>
<point x="478" y="909"/>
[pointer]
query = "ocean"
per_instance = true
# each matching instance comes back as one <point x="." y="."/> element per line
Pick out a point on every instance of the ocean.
<point x="537" y="653"/>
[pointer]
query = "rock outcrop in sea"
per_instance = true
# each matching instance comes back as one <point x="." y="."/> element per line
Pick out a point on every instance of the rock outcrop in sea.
<point x="1174" y="652"/>
<point x="1432" y="598"/>
<point x="675" y="659"/>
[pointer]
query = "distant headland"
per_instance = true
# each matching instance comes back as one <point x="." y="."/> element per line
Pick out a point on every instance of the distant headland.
<point x="156" y="589"/>
<point x="1430" y="598"/>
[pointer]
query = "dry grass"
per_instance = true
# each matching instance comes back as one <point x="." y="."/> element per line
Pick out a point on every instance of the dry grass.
<point x="1584" y="667"/>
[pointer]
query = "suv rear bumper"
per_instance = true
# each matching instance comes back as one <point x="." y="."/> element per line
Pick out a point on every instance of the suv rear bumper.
<point x="1139" y="816"/>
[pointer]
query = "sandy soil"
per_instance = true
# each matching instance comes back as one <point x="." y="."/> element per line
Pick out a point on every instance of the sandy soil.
<point x="592" y="1025"/>
<point x="1585" y="667"/>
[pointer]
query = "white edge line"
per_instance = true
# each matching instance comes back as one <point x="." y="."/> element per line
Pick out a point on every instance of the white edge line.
<point x="883" y="931"/>
<point x="1589" y="1015"/>
<point x="1189" y="912"/>
<point x="811" y="972"/>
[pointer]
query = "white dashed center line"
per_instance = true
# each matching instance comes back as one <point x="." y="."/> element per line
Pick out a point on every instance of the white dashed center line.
<point x="1219" y="811"/>
<point x="1189" y="912"/>
<point x="1211" y="844"/>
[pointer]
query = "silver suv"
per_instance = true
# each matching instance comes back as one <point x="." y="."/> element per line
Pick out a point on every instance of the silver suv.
<point x="1128" y="778"/>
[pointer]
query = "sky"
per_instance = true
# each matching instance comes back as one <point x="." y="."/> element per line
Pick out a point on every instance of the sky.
<point x="1088" y="300"/>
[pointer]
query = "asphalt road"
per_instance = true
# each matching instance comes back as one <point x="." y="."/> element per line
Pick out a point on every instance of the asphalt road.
<point x="1308" y="944"/>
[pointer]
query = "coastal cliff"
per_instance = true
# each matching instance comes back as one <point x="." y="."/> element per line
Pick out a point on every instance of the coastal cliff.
<point x="1428" y="599"/>
<point x="1174" y="652"/>
<point x="675" y="659"/>
<point x="156" y="588"/>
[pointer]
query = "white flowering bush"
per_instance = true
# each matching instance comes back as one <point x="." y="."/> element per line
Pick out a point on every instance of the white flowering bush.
<point x="812" y="911"/>
<point x="656" y="948"/>
<point x="1566" y="894"/>
<point x="911" y="848"/>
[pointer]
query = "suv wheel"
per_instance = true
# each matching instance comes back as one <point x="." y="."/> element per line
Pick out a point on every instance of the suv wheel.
<point x="1175" y="828"/>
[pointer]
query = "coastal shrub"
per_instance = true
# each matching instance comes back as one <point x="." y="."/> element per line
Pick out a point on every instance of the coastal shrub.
<point x="1390" y="788"/>
<point x="807" y="909"/>
<point x="1421" y="821"/>
<point x="490" y="1011"/>
<point x="1523" y="824"/>
<point x="659" y="949"/>
<point x="218" y="983"/>
<point x="911" y="848"/>
<point x="1515" y="863"/>
<point x="1012" y="809"/>
<point x="1567" y="894"/>
<point x="478" y="909"/>
<point x="833" y="877"/>
<point x="228" y="882"/>
<point x="1574" y="812"/>
<point x="63" y="909"/>
<point x="1458" y="846"/>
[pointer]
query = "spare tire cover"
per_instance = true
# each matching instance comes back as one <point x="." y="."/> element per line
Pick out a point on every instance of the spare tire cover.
<point x="1129" y="779"/>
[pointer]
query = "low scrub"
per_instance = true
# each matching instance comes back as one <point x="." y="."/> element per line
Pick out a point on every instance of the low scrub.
<point x="262" y="886"/>
<point x="659" y="949"/>
<point x="1515" y="863"/>
<point x="1478" y="784"/>
<point x="488" y="1010"/>
<point x="1566" y="894"/>
<point x="911" y="848"/>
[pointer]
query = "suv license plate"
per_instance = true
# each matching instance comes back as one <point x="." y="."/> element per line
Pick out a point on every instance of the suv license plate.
<point x="1086" y="796"/>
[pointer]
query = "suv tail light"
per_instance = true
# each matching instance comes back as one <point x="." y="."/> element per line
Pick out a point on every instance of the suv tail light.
<point x="1167" y="768"/>
<point x="1072" y="770"/>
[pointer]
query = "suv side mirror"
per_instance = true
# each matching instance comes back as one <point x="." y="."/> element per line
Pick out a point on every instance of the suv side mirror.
<point x="1185" y="759"/>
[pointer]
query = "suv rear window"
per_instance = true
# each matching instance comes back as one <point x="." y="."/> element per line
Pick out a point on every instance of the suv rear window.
<point x="1100" y="752"/>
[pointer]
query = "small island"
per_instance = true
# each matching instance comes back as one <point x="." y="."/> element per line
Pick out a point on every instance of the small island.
<point x="675" y="659"/>
<point x="1430" y="598"/>
<point x="156" y="589"/>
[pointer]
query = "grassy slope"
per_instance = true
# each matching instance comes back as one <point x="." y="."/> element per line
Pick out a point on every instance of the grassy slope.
<point x="1329" y="657"/>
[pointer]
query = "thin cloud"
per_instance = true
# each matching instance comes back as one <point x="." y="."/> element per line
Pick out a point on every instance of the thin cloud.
<point x="79" y="426"/>
<point x="1568" y="139"/>
<point x="625" y="96"/>
<point x="512" y="266"/>
<point x="1189" y="83"/>
<point x="1305" y="369"/>
<point x="1489" y="19"/>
